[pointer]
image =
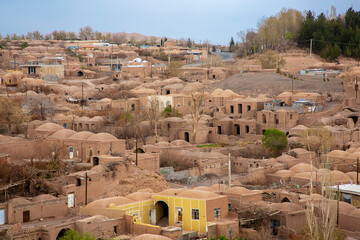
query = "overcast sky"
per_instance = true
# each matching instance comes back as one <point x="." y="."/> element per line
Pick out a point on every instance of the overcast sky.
<point x="213" y="20"/>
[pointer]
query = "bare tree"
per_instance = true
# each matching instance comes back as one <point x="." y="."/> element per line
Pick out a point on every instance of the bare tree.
<point x="10" y="113"/>
<point x="153" y="113"/>
<point x="86" y="33"/>
<point x="39" y="107"/>
<point x="196" y="99"/>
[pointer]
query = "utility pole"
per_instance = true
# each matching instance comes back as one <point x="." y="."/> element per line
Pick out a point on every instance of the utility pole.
<point x="310" y="47"/>
<point x="229" y="170"/>
<point x="136" y="152"/>
<point x="357" y="171"/>
<point x="292" y="85"/>
<point x="86" y="186"/>
<point x="338" y="199"/>
<point x="82" y="96"/>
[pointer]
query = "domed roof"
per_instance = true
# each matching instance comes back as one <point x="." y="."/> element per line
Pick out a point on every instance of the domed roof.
<point x="354" y="155"/>
<point x="49" y="127"/>
<point x="286" y="206"/>
<point x="352" y="175"/>
<point x="338" y="153"/>
<point x="198" y="194"/>
<point x="299" y="127"/>
<point x="346" y="207"/>
<point x="355" y="212"/>
<point x="60" y="117"/>
<point x="63" y="134"/>
<point x="204" y="188"/>
<point x="238" y="190"/>
<point x="284" y="173"/>
<point x="285" y="157"/>
<point x="286" y="94"/>
<point x="81" y="135"/>
<point x="338" y="176"/>
<point x="305" y="175"/>
<point x="174" y="119"/>
<point x="180" y="143"/>
<point x="105" y="203"/>
<point x="102" y="137"/>
<point x="302" y="167"/>
<point x="171" y="191"/>
<point x="43" y="197"/>
<point x="151" y="237"/>
<point x="139" y="196"/>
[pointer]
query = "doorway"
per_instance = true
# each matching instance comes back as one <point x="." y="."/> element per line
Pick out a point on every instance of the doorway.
<point x="162" y="214"/>
<point x="187" y="137"/>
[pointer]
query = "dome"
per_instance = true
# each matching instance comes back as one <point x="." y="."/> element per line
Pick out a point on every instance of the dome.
<point x="198" y="194"/>
<point x="286" y="94"/>
<point x="238" y="190"/>
<point x="284" y="174"/>
<point x="139" y="196"/>
<point x="63" y="134"/>
<point x="171" y="192"/>
<point x="302" y="167"/>
<point x="151" y="237"/>
<point x="105" y="203"/>
<point x="81" y="135"/>
<point x="60" y="117"/>
<point x="300" y="127"/>
<point x="352" y="175"/>
<point x="102" y="137"/>
<point x="346" y="207"/>
<point x="305" y="175"/>
<point x="180" y="143"/>
<point x="354" y="155"/>
<point x="204" y="188"/>
<point x="286" y="206"/>
<point x="163" y="144"/>
<point x="49" y="127"/>
<point x="338" y="153"/>
<point x="355" y="212"/>
<point x="285" y="158"/>
<point x="337" y="176"/>
<point x="174" y="119"/>
<point x="43" y="197"/>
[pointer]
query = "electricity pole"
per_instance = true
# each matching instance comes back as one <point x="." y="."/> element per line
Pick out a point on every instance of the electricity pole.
<point x="82" y="96"/>
<point x="310" y="47"/>
<point x="86" y="186"/>
<point x="229" y="170"/>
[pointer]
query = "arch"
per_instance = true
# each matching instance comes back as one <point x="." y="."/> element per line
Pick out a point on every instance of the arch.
<point x="62" y="233"/>
<point x="263" y="118"/>
<point x="354" y="118"/>
<point x="80" y="73"/>
<point x="187" y="136"/>
<point x="139" y="150"/>
<point x="237" y="129"/>
<point x="285" y="199"/>
<point x="231" y="109"/>
<point x="162" y="213"/>
<point x="247" y="129"/>
<point x="95" y="161"/>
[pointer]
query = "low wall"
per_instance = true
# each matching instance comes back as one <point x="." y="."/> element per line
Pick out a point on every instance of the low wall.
<point x="110" y="213"/>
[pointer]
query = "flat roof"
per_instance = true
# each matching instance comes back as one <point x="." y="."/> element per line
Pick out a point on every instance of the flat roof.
<point x="348" y="188"/>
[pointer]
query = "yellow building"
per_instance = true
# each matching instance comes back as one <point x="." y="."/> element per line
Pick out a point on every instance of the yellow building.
<point x="44" y="71"/>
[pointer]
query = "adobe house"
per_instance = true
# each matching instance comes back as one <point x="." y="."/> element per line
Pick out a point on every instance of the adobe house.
<point x="291" y="216"/>
<point x="238" y="196"/>
<point x="12" y="79"/>
<point x="44" y="71"/>
<point x="280" y="119"/>
<point x="44" y="130"/>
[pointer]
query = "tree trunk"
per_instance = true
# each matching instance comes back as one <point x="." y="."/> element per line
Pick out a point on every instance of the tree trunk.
<point x="156" y="134"/>
<point x="194" y="132"/>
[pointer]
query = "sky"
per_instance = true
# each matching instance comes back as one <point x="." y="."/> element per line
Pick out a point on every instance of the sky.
<point x="201" y="20"/>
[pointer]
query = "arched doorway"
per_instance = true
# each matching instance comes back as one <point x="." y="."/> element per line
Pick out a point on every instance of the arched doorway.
<point x="162" y="214"/>
<point x="95" y="161"/>
<point x="80" y="73"/>
<point x="237" y="129"/>
<point x="187" y="137"/>
<point x="285" y="199"/>
<point x="62" y="233"/>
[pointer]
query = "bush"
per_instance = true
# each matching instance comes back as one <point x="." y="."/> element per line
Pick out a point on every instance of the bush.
<point x="275" y="140"/>
<point x="24" y="45"/>
<point x="269" y="58"/>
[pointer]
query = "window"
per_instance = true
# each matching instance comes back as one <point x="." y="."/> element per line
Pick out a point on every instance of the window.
<point x="217" y="212"/>
<point x="195" y="214"/>
<point x="248" y="107"/>
<point x="78" y="182"/>
<point x="71" y="200"/>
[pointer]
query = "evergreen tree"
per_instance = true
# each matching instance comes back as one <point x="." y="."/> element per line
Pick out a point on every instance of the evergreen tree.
<point x="232" y="45"/>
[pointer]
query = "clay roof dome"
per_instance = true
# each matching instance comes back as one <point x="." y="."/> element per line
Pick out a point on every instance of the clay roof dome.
<point x="338" y="176"/>
<point x="302" y="167"/>
<point x="105" y="203"/>
<point x="305" y="175"/>
<point x="198" y="194"/>
<point x="285" y="158"/>
<point x="204" y="188"/>
<point x="43" y="197"/>
<point x="286" y="206"/>
<point x="180" y="143"/>
<point x="346" y="207"/>
<point x="60" y="117"/>
<point x="354" y="155"/>
<point x="352" y="175"/>
<point x="284" y="173"/>
<point x="81" y="135"/>
<point x="238" y="190"/>
<point x="338" y="153"/>
<point x="139" y="196"/>
<point x="102" y="137"/>
<point x="300" y="127"/>
<point x="299" y="150"/>
<point x="171" y="191"/>
<point x="49" y="127"/>
<point x="355" y="212"/>
<point x="63" y="134"/>
<point x="285" y="94"/>
<point x="151" y="237"/>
